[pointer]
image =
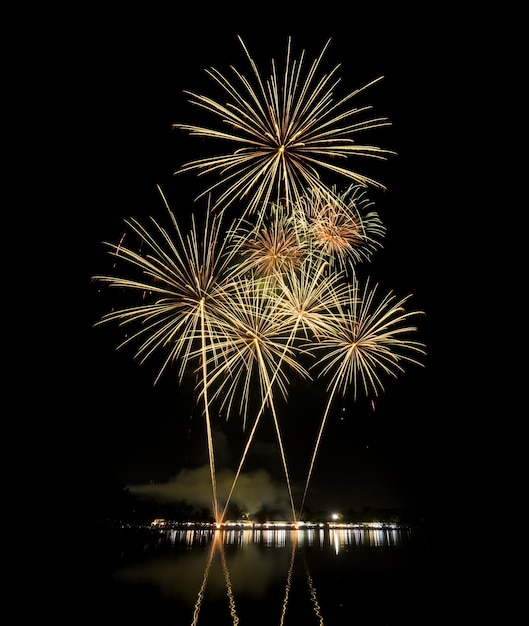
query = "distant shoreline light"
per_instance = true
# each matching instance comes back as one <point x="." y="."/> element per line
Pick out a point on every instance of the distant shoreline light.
<point x="163" y="524"/>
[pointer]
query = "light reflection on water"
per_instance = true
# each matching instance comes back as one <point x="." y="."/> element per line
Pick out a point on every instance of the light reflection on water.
<point x="248" y="576"/>
<point x="280" y="537"/>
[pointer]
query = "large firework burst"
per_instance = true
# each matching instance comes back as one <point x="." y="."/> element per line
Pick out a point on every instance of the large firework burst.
<point x="285" y="131"/>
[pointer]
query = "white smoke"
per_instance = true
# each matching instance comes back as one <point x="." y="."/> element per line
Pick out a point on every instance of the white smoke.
<point x="253" y="490"/>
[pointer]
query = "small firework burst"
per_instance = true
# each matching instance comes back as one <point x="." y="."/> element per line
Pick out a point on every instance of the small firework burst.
<point x="343" y="226"/>
<point x="273" y="246"/>
<point x="372" y="338"/>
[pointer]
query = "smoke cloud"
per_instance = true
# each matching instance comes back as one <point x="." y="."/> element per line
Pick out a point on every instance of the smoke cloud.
<point x="253" y="491"/>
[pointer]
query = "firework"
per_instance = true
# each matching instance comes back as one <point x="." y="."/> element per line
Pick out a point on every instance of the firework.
<point x="308" y="297"/>
<point x="269" y="313"/>
<point x="256" y="347"/>
<point x="264" y="324"/>
<point x="370" y="337"/>
<point x="273" y="246"/>
<point x="184" y="277"/>
<point x="274" y="294"/>
<point x="343" y="226"/>
<point x="254" y="341"/>
<point x="285" y="131"/>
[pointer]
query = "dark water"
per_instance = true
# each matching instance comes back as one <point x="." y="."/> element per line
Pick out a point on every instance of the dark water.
<point x="274" y="577"/>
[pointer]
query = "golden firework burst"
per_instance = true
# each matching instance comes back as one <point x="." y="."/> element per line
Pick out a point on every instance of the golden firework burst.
<point x="285" y="130"/>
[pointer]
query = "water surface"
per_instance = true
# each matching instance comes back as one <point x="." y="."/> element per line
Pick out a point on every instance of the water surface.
<point x="331" y="576"/>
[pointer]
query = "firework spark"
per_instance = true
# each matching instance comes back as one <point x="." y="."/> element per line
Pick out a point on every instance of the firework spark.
<point x="253" y="340"/>
<point x="285" y="132"/>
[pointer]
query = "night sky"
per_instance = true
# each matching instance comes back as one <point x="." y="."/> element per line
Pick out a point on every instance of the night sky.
<point x="126" y="93"/>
